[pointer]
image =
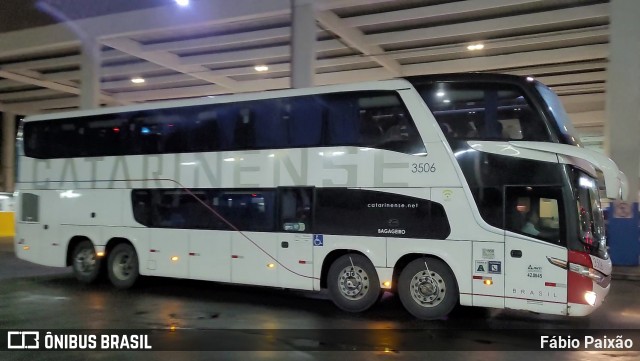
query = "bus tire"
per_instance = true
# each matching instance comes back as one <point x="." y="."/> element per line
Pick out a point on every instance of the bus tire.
<point x="431" y="294"/>
<point x="86" y="265"/>
<point x="353" y="283"/>
<point x="123" y="266"/>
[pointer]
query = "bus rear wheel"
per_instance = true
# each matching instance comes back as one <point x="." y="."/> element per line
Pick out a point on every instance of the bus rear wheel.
<point x="353" y="283"/>
<point x="85" y="263"/>
<point x="123" y="266"/>
<point x="428" y="289"/>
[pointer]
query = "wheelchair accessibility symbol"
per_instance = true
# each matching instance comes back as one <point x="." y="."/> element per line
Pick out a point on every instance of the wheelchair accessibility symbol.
<point x="318" y="240"/>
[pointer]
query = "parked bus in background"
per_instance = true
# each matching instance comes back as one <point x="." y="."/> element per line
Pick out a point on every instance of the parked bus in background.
<point x="466" y="189"/>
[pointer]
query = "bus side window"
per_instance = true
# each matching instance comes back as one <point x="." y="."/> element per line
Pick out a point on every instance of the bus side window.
<point x="532" y="127"/>
<point x="535" y="211"/>
<point x="63" y="139"/>
<point x="107" y="135"/>
<point x="226" y="115"/>
<point x="35" y="139"/>
<point x="489" y="201"/>
<point x="343" y="118"/>
<point x="295" y="209"/>
<point x="141" y="200"/>
<point x="401" y="134"/>
<point x="169" y="209"/>
<point x="193" y="208"/>
<point x="244" y="132"/>
<point x="270" y="123"/>
<point x="306" y="121"/>
<point x="246" y="210"/>
<point x="386" y="124"/>
<point x="204" y="134"/>
<point x="146" y="132"/>
<point x="30" y="207"/>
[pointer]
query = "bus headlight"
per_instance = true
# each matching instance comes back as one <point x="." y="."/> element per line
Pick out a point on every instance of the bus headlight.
<point x="590" y="297"/>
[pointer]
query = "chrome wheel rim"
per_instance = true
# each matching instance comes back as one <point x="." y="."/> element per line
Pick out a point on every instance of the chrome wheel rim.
<point x="123" y="265"/>
<point x="85" y="261"/>
<point x="427" y="288"/>
<point x="353" y="282"/>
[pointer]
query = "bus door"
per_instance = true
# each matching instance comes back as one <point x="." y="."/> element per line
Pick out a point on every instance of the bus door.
<point x="534" y="226"/>
<point x="295" y="241"/>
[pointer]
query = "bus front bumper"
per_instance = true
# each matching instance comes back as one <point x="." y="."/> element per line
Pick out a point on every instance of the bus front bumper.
<point x="583" y="309"/>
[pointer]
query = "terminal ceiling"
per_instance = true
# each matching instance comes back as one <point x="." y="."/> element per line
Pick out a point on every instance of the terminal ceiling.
<point x="212" y="47"/>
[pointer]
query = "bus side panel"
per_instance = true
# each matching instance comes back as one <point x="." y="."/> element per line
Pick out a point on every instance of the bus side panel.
<point x="253" y="258"/>
<point x="210" y="255"/>
<point x="29" y="244"/>
<point x="168" y="252"/>
<point x="295" y="252"/>
<point x="488" y="265"/>
<point x="93" y="207"/>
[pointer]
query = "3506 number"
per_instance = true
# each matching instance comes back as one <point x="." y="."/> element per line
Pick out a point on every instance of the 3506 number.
<point x="423" y="168"/>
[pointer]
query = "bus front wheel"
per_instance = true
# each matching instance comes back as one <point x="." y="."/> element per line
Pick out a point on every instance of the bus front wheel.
<point x="123" y="266"/>
<point x="353" y="283"/>
<point x="86" y="265"/>
<point x="427" y="288"/>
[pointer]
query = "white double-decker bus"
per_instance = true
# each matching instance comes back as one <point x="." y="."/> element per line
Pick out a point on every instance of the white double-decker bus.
<point x="463" y="189"/>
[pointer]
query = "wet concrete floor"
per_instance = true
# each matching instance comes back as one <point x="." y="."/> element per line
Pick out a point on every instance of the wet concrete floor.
<point x="36" y="297"/>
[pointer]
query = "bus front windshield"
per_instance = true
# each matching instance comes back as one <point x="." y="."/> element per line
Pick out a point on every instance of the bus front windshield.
<point x="560" y="116"/>
<point x="590" y="217"/>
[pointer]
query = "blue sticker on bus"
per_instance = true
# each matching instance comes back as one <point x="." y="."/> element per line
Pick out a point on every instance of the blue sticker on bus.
<point x="495" y="267"/>
<point x="318" y="240"/>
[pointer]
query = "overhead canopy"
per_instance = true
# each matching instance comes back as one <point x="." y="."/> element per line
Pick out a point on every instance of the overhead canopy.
<point x="212" y="47"/>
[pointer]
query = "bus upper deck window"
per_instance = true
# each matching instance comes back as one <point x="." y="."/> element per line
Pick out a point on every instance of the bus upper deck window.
<point x="476" y="110"/>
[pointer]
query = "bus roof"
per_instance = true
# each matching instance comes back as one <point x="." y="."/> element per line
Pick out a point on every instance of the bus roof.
<point x="471" y="77"/>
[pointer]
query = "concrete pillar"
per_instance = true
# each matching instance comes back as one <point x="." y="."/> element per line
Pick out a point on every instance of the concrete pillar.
<point x="622" y="131"/>
<point x="8" y="151"/>
<point x="303" y="41"/>
<point x="90" y="74"/>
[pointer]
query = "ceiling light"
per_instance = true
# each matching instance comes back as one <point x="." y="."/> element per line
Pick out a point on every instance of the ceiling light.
<point x="261" y="68"/>
<point x="440" y="94"/>
<point x="137" y="80"/>
<point x="182" y="2"/>
<point x="475" y="47"/>
<point x="446" y="101"/>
